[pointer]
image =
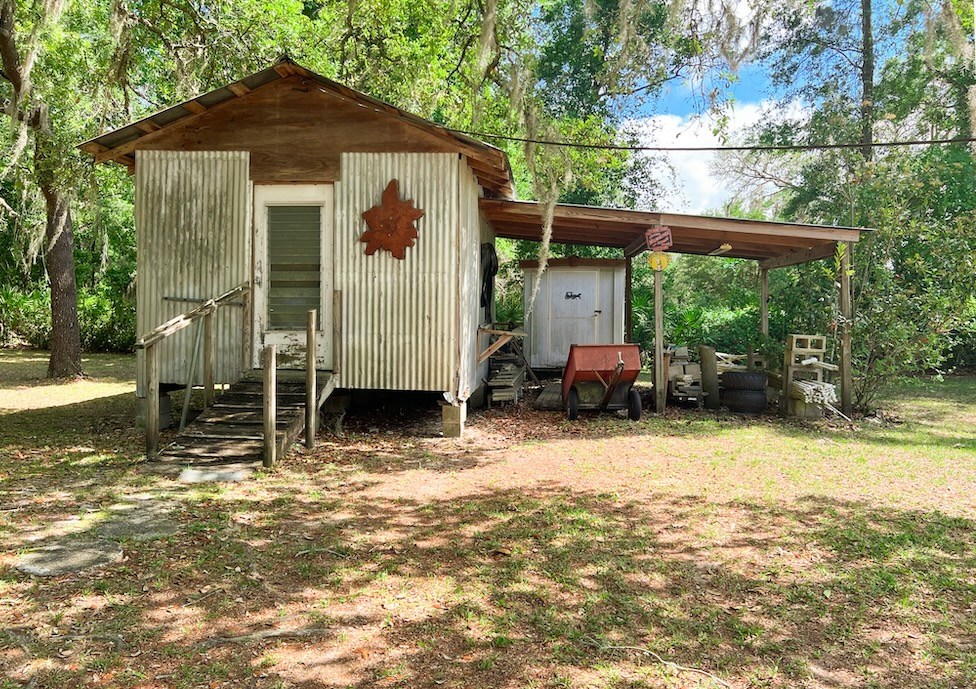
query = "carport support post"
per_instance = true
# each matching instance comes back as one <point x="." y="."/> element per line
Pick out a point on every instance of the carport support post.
<point x="846" y="321"/>
<point x="660" y="384"/>
<point x="629" y="301"/>
<point x="764" y="301"/>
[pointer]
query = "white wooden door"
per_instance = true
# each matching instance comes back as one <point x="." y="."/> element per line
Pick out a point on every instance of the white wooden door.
<point x="574" y="299"/>
<point x="293" y="270"/>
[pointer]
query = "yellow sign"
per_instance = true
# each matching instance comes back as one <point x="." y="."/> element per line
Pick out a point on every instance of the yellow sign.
<point x="658" y="260"/>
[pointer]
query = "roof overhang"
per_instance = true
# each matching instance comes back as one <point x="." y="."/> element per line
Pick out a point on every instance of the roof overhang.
<point x="489" y="163"/>
<point x="773" y="244"/>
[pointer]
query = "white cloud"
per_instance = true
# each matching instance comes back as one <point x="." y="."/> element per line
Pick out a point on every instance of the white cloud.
<point x="697" y="184"/>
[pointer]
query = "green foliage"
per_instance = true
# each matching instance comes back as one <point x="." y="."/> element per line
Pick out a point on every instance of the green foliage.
<point x="108" y="323"/>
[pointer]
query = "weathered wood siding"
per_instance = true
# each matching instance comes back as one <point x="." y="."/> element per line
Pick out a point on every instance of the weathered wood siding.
<point x="193" y="230"/>
<point x="295" y="131"/>
<point x="399" y="320"/>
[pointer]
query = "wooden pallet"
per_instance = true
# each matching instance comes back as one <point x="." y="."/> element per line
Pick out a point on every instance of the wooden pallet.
<point x="231" y="431"/>
<point x="505" y="384"/>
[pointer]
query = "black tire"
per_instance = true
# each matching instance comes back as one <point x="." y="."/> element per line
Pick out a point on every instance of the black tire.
<point x="634" y="405"/>
<point x="745" y="401"/>
<point x="744" y="380"/>
<point x="572" y="405"/>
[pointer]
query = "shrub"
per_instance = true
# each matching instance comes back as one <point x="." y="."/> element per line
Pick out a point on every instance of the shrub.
<point x="107" y="324"/>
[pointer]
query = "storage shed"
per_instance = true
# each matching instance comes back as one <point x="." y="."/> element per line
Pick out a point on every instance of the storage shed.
<point x="303" y="227"/>
<point x="579" y="301"/>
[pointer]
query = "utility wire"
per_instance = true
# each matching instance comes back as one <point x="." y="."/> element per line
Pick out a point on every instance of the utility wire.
<point x="774" y="147"/>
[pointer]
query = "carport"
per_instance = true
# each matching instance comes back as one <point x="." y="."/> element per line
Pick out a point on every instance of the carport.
<point x="771" y="244"/>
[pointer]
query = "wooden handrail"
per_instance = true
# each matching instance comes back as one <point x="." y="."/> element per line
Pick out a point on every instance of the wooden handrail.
<point x="176" y="324"/>
<point x="149" y="341"/>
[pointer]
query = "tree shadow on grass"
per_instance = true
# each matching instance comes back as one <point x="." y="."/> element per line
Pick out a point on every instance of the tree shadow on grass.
<point x="543" y="587"/>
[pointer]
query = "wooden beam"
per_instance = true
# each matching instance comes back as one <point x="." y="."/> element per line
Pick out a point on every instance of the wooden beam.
<point x="311" y="364"/>
<point x="660" y="380"/>
<point x="239" y="89"/>
<point x="284" y="69"/>
<point x="676" y="222"/>
<point x="636" y="247"/>
<point x="796" y="257"/>
<point x="846" y="321"/>
<point x="209" y="357"/>
<point x="148" y="126"/>
<point x="194" y="107"/>
<point x="764" y="301"/>
<point x="628" y="301"/>
<point x="151" y="361"/>
<point x="269" y="362"/>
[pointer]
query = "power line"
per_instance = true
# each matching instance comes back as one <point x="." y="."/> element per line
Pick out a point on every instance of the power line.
<point x="692" y="149"/>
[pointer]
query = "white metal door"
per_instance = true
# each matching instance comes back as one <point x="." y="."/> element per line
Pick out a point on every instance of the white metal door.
<point x="293" y="270"/>
<point x="574" y="296"/>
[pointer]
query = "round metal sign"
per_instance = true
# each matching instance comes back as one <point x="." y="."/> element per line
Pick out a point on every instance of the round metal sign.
<point x="658" y="260"/>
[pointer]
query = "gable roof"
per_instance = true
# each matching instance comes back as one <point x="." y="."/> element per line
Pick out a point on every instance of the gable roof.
<point x="489" y="163"/>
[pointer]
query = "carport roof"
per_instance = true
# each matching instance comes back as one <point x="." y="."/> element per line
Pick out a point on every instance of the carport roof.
<point x="774" y="244"/>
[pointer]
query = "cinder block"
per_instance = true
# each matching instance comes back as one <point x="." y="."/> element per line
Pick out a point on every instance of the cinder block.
<point x="453" y="418"/>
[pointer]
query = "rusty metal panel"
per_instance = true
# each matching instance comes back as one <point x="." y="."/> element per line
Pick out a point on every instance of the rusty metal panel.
<point x="399" y="318"/>
<point x="193" y="241"/>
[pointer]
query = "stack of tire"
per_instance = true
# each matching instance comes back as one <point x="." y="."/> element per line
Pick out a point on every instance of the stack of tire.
<point x="744" y="391"/>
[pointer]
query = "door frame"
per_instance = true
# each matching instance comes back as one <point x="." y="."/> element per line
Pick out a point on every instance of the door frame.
<point x="291" y="343"/>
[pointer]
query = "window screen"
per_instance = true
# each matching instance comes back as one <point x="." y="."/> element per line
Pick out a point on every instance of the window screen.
<point x="294" y="250"/>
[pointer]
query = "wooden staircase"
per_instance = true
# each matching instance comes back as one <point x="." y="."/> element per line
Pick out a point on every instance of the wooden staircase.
<point x="231" y="430"/>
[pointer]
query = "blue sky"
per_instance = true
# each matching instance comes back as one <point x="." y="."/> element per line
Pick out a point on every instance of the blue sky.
<point x="676" y="119"/>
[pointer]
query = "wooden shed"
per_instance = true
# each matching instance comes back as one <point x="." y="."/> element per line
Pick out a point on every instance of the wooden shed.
<point x="286" y="193"/>
<point x="579" y="301"/>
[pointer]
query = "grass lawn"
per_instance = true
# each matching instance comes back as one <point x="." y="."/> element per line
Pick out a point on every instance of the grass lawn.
<point x="695" y="550"/>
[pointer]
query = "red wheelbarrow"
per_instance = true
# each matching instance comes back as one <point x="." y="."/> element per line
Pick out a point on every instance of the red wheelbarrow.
<point x="602" y="377"/>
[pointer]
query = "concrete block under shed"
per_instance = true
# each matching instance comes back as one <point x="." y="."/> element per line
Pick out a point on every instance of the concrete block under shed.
<point x="453" y="418"/>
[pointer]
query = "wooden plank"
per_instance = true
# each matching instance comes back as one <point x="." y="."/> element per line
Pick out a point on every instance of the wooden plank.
<point x="797" y="257"/>
<point x="152" y="401"/>
<point x="629" y="301"/>
<point x="265" y="122"/>
<point x="494" y="347"/>
<point x="311" y="388"/>
<point x="148" y="126"/>
<point x="194" y="106"/>
<point x="209" y="357"/>
<point x="270" y="364"/>
<point x="176" y="324"/>
<point x="847" y="319"/>
<point x="239" y="89"/>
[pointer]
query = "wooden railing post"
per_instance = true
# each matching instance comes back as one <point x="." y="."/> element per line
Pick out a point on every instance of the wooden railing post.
<point x="269" y="362"/>
<point x="152" y="401"/>
<point x="311" y="396"/>
<point x="209" y="355"/>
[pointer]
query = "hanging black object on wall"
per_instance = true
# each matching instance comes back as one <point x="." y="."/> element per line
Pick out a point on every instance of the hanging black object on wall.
<point x="489" y="269"/>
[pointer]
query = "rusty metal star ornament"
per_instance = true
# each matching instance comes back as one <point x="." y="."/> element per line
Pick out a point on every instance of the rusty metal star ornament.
<point x="391" y="223"/>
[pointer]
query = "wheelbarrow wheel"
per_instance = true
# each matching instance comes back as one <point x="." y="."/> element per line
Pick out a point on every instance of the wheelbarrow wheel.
<point x="634" y="405"/>
<point x="572" y="405"/>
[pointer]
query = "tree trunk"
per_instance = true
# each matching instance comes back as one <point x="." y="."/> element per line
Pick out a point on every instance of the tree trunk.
<point x="867" y="81"/>
<point x="60" y="262"/>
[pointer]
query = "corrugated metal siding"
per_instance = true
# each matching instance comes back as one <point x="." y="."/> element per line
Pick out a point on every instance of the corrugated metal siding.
<point x="470" y="237"/>
<point x="399" y="322"/>
<point x="193" y="240"/>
